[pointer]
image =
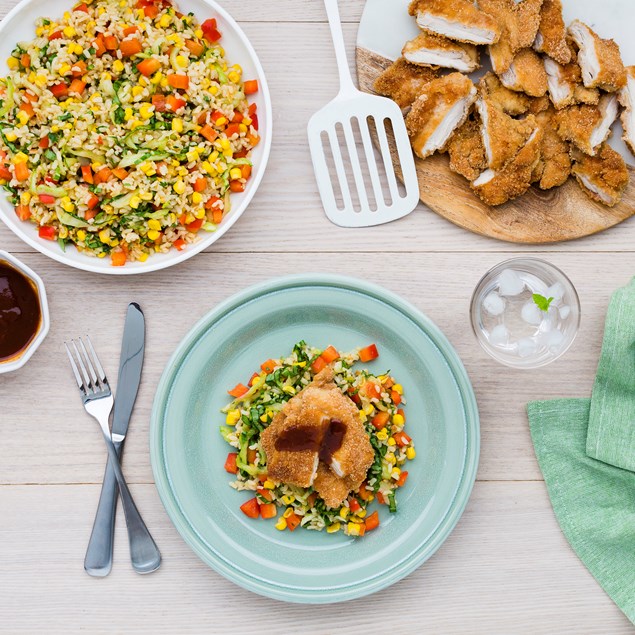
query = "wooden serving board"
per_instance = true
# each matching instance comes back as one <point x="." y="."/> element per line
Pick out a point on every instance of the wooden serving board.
<point x="538" y="217"/>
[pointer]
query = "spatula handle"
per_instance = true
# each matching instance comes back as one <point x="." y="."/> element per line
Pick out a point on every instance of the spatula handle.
<point x="333" y="13"/>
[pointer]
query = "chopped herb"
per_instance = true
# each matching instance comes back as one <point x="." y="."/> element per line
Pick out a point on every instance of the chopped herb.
<point x="66" y="116"/>
<point x="50" y="155"/>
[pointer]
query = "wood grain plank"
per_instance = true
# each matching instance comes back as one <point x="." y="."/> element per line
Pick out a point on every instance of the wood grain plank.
<point x="57" y="443"/>
<point x="505" y="569"/>
<point x="264" y="10"/>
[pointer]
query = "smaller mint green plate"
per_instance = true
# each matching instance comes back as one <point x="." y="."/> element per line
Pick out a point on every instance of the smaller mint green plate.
<point x="225" y="348"/>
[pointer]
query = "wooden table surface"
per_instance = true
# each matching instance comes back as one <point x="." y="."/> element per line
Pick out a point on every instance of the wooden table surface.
<point x="505" y="569"/>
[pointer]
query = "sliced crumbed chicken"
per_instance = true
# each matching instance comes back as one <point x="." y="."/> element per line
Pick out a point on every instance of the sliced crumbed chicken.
<point x="466" y="151"/>
<point x="434" y="50"/>
<point x="502" y="136"/>
<point x="403" y="82"/>
<point x="519" y="23"/>
<point x="443" y="106"/>
<point x="539" y="104"/>
<point x="551" y="38"/>
<point x="526" y="74"/>
<point x="603" y="177"/>
<point x="509" y="101"/>
<point x="599" y="60"/>
<point x="554" y="166"/>
<point x="458" y="20"/>
<point x="496" y="187"/>
<point x="331" y="488"/>
<point x="584" y="95"/>
<point x="565" y="84"/>
<point x="588" y="126"/>
<point x="627" y="99"/>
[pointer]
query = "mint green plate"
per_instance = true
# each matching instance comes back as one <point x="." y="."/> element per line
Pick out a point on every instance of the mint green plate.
<point x="225" y="348"/>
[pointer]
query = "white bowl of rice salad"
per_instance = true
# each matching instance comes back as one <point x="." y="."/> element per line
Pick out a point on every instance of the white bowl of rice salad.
<point x="133" y="133"/>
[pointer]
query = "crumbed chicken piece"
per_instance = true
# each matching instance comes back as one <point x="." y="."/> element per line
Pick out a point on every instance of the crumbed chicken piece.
<point x="551" y="38"/>
<point x="600" y="60"/>
<point x="526" y="74"/>
<point x="458" y="20"/>
<point x="554" y="166"/>
<point x="519" y="23"/>
<point x="310" y="413"/>
<point x="466" y="151"/>
<point x="539" y="104"/>
<point x="403" y="82"/>
<point x="434" y="50"/>
<point x="443" y="106"/>
<point x="331" y="488"/>
<point x="627" y="100"/>
<point x="603" y="177"/>
<point x="565" y="84"/>
<point x="588" y="126"/>
<point x="495" y="187"/>
<point x="509" y="101"/>
<point x="502" y="136"/>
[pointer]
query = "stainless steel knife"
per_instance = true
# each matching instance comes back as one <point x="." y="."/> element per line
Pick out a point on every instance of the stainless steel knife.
<point x="98" y="560"/>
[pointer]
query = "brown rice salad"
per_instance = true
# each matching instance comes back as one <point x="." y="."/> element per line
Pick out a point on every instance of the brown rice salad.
<point x="123" y="129"/>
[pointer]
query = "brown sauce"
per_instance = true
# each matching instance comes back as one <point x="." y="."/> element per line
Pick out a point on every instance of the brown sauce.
<point x="20" y="314"/>
<point x="325" y="440"/>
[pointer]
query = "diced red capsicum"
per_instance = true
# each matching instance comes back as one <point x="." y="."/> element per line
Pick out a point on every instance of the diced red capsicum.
<point x="293" y="521"/>
<point x="238" y="391"/>
<point x="380" y="420"/>
<point x="210" y="30"/>
<point x="46" y="232"/>
<point x="268" y="510"/>
<point x="368" y="354"/>
<point x="372" y="521"/>
<point x="230" y="463"/>
<point x="251" y="508"/>
<point x="251" y="86"/>
<point x="354" y="505"/>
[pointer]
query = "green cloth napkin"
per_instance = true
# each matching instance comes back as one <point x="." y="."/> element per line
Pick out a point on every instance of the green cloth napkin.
<point x="594" y="502"/>
<point x="611" y="435"/>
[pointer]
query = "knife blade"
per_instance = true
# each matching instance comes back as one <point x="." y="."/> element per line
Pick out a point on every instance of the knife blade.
<point x="130" y="364"/>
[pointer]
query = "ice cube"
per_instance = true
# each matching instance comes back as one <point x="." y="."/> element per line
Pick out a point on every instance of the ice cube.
<point x="494" y="304"/>
<point x="556" y="291"/>
<point x="499" y="335"/>
<point x="531" y="313"/>
<point x="555" y="340"/>
<point x="527" y="347"/>
<point x="565" y="311"/>
<point x="510" y="283"/>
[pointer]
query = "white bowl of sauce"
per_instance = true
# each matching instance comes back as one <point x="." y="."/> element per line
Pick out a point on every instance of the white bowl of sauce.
<point x="24" y="313"/>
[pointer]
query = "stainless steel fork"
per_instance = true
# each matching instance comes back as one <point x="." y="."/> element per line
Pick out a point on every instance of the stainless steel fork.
<point x="98" y="402"/>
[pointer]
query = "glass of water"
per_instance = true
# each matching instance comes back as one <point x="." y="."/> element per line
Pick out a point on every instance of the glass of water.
<point x="525" y="313"/>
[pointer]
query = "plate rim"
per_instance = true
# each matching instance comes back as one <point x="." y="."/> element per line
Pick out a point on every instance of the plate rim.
<point x="195" y="248"/>
<point x="421" y="553"/>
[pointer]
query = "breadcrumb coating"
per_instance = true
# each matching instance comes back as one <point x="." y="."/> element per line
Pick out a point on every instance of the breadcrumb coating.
<point x="603" y="177"/>
<point x="404" y="82"/>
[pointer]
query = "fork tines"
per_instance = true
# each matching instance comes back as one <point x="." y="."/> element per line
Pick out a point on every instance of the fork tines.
<point x="89" y="373"/>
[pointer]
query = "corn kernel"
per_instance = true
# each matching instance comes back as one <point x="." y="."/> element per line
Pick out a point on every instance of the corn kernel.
<point x="200" y="213"/>
<point x="235" y="173"/>
<point x="398" y="388"/>
<point x="410" y="453"/>
<point x="233" y="77"/>
<point x="143" y="257"/>
<point x="153" y="234"/>
<point x="39" y="31"/>
<point x="396" y="473"/>
<point x="128" y="114"/>
<point x="104" y="236"/>
<point x="101" y="255"/>
<point x="62" y="232"/>
<point x="157" y="77"/>
<point x="398" y="420"/>
<point x="177" y="125"/>
<point x="164" y="82"/>
<point x="197" y="198"/>
<point x="247" y="121"/>
<point x="20" y="157"/>
<point x="287" y="512"/>
<point x="69" y="31"/>
<point x="290" y="390"/>
<point x="269" y="484"/>
<point x="344" y="512"/>
<point x="199" y="34"/>
<point x="181" y="61"/>
<point x="281" y="525"/>
<point x="23" y="118"/>
<point x="81" y="235"/>
<point x="264" y="418"/>
<point x="143" y="81"/>
<point x="353" y="529"/>
<point x="391" y="441"/>
<point x="41" y="80"/>
<point x="361" y="513"/>
<point x="225" y="144"/>
<point x="146" y="196"/>
<point x="333" y="529"/>
<point x="232" y="418"/>
<point x="135" y="201"/>
<point x="390" y="458"/>
<point x="11" y="136"/>
<point x="369" y="409"/>
<point x="68" y="206"/>
<point x="193" y="155"/>
<point x="189" y="218"/>
<point x="13" y="64"/>
<point x="179" y="187"/>
<point x="288" y="499"/>
<point x="135" y="123"/>
<point x="382" y="435"/>
<point x="146" y="111"/>
<point x="213" y="89"/>
<point x="137" y="91"/>
<point x="67" y="16"/>
<point x="206" y="166"/>
<point x="221" y="121"/>
<point x="165" y="20"/>
<point x="25" y="198"/>
<point x="243" y="128"/>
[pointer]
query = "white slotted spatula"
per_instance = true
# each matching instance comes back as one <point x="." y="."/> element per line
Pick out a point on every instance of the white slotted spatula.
<point x="349" y="106"/>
